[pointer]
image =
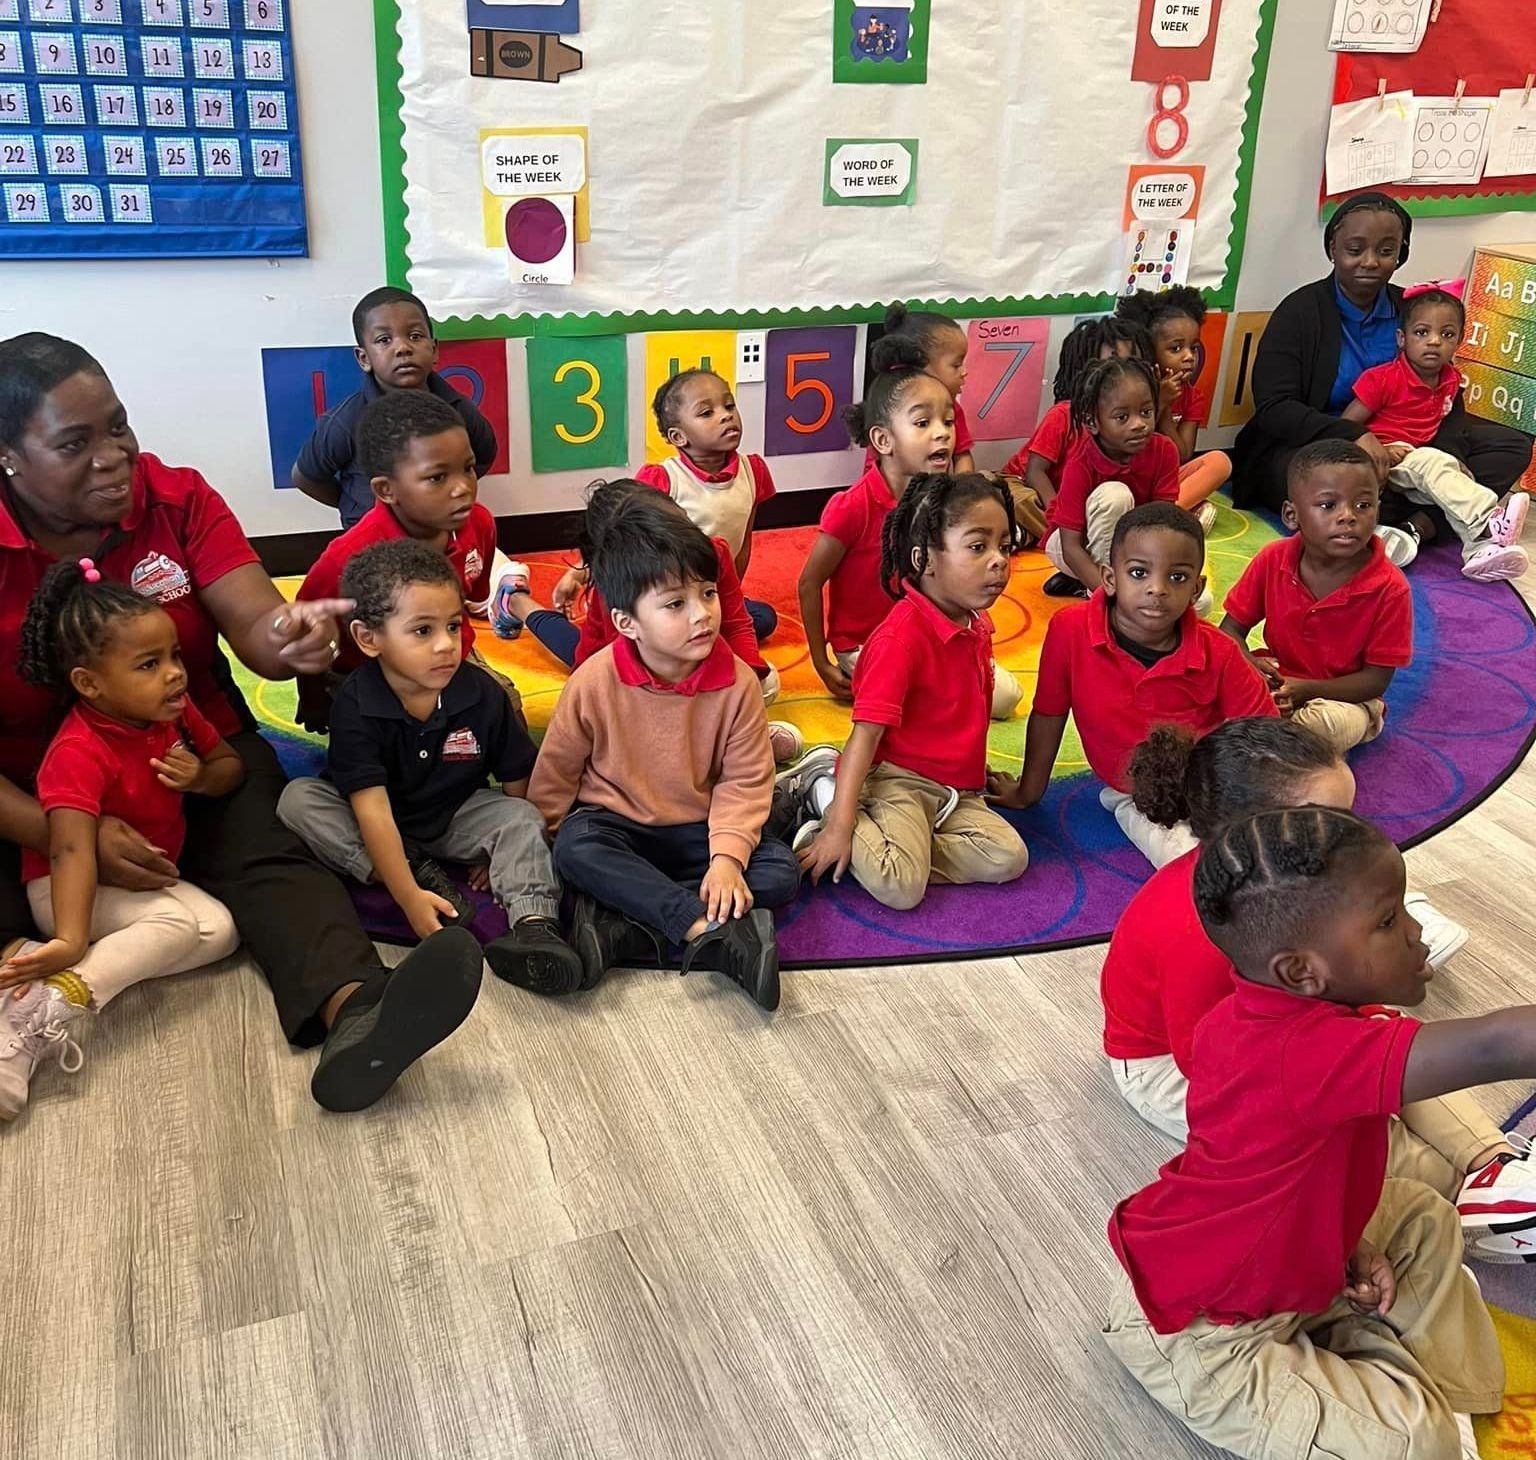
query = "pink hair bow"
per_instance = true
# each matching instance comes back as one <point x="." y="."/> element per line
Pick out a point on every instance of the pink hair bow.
<point x="1456" y="288"/>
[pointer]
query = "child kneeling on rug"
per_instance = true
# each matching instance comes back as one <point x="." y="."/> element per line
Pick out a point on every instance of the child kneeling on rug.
<point x="1337" y="615"/>
<point x="903" y="803"/>
<point x="1162" y="975"/>
<point x="414" y="734"/>
<point x="656" y="774"/>
<point x="132" y="746"/>
<point x="1287" y="1289"/>
<point x="1135" y="656"/>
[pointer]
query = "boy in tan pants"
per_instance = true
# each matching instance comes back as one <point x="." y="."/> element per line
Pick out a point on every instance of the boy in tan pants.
<point x="1289" y="1290"/>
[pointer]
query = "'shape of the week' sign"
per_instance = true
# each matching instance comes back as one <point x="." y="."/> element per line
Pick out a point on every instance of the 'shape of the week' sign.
<point x="521" y="167"/>
<point x="870" y="171"/>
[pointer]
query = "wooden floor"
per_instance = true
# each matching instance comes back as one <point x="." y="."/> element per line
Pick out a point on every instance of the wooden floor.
<point x="650" y="1222"/>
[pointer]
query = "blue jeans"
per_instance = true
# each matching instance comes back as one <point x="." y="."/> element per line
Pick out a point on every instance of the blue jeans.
<point x="652" y="873"/>
<point x="556" y="633"/>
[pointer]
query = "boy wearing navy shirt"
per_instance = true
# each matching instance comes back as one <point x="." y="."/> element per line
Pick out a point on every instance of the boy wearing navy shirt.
<point x="396" y="350"/>
<point x="414" y="734"/>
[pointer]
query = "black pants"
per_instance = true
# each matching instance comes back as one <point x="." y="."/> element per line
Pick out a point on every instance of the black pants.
<point x="652" y="873"/>
<point x="15" y="911"/>
<point x="294" y="915"/>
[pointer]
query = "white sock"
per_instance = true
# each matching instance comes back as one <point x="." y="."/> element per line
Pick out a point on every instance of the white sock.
<point x="822" y="792"/>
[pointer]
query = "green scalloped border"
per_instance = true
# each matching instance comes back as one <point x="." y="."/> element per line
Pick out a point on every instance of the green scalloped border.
<point x="397" y="235"/>
<point x="1460" y="205"/>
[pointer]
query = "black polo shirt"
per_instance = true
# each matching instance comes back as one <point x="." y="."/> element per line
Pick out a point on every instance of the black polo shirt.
<point x="430" y="767"/>
<point x="330" y="454"/>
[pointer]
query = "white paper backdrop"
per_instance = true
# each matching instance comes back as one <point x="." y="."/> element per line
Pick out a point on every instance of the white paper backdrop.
<point x="708" y="126"/>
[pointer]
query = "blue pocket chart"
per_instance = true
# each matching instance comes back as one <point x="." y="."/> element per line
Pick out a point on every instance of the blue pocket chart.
<point x="149" y="129"/>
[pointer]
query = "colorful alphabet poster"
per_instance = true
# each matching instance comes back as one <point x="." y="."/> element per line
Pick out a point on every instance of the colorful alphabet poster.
<point x="578" y="402"/>
<point x="810" y="380"/>
<point x="1005" y="367"/>
<point x="148" y="129"/>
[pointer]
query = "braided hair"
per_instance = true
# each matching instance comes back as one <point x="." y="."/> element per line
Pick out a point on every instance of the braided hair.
<point x="933" y="502"/>
<point x="71" y="620"/>
<point x="1098" y="378"/>
<point x="911" y="337"/>
<point x="881" y="401"/>
<point x="667" y="400"/>
<point x="1266" y="882"/>
<point x="1087" y="342"/>
<point x="1241" y="767"/>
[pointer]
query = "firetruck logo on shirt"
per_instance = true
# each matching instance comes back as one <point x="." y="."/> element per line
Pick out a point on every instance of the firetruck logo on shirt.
<point x="461" y="745"/>
<point x="474" y="565"/>
<point x="160" y="578"/>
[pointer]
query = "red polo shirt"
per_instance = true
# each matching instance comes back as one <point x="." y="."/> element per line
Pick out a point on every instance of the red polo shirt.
<point x="1191" y="405"/>
<point x="100" y="766"/>
<point x="470" y="552"/>
<point x="928" y="680"/>
<point x="1052" y="440"/>
<point x="964" y="441"/>
<point x="177" y="538"/>
<point x="1402" y="407"/>
<point x="597" y="630"/>
<point x="1116" y="701"/>
<point x="1152" y="475"/>
<point x="1162" y="975"/>
<point x="1288" y="1106"/>
<point x="856" y="603"/>
<point x="1367" y="621"/>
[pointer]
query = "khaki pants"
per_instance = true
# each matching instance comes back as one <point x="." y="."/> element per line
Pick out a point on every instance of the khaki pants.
<point x="509" y="689"/>
<point x="1436" y="1142"/>
<point x="1160" y="845"/>
<point x="1336" y="1385"/>
<point x="1006" y="689"/>
<point x="1107" y="504"/>
<point x="897" y="852"/>
<point x="1342" y="725"/>
<point x="1433" y="479"/>
<point x="1156" y="1089"/>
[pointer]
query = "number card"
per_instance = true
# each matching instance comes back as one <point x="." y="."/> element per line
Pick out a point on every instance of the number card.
<point x="668" y="354"/>
<point x="578" y="391"/>
<point x="1005" y="364"/>
<point x="810" y="380"/>
<point x="118" y="102"/>
<point x="478" y="369"/>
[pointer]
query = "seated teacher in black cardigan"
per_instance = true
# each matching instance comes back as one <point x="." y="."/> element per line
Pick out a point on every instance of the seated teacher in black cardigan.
<point x="1321" y="339"/>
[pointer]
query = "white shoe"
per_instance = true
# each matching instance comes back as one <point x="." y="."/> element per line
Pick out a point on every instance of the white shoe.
<point x="1205" y="515"/>
<point x="1494" y="564"/>
<point x="1205" y="602"/>
<point x="1443" y="936"/>
<point x="1402" y="544"/>
<point x="33" y="1030"/>
<point x="951" y="800"/>
<point x="787" y="741"/>
<point x="805" y="835"/>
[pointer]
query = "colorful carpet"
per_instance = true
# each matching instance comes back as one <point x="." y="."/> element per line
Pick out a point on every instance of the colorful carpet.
<point x="1460" y="719"/>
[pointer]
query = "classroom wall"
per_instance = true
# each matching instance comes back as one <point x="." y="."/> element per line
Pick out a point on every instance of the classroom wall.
<point x="183" y="339"/>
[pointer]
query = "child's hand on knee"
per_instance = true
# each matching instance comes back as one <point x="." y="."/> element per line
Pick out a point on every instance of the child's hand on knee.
<point x="724" y="890"/>
<point x="425" y="911"/>
<point x="1371" y="1285"/>
<point x="831" y="851"/>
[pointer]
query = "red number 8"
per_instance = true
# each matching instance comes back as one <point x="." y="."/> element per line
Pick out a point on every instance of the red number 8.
<point x="1165" y="113"/>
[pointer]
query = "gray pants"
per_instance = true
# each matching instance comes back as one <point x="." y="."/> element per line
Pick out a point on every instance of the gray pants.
<point x="491" y="827"/>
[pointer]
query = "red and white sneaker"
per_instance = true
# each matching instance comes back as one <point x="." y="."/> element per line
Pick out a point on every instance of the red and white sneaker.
<point x="1506" y="525"/>
<point x="1497" y="1205"/>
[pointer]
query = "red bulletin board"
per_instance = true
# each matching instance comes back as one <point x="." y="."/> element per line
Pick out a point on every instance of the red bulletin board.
<point x="1481" y="42"/>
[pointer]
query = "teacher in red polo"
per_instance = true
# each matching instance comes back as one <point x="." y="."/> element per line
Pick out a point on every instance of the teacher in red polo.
<point x="73" y="483"/>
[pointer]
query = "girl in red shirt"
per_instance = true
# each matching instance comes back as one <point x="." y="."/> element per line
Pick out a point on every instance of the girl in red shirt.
<point x="919" y="340"/>
<point x="1162" y="975"/>
<point x="131" y="745"/>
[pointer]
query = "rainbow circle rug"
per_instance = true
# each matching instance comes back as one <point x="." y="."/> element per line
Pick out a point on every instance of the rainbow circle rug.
<point x="1460" y="719"/>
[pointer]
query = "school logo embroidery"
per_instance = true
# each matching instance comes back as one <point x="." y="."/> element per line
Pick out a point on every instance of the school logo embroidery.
<point x="160" y="578"/>
<point x="474" y="565"/>
<point x="461" y="745"/>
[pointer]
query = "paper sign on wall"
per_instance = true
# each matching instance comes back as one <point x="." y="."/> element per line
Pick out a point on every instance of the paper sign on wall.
<point x="870" y="172"/>
<point x="1005" y="369"/>
<point x="1369" y="142"/>
<point x="1512" y="145"/>
<point x="1175" y="38"/>
<point x="1157" y="256"/>
<point x="478" y="369"/>
<point x="562" y="17"/>
<point x="1237" y="398"/>
<point x="1450" y="138"/>
<point x="1379" y="25"/>
<point x="810" y="379"/>
<point x="885" y="43"/>
<point x="578" y="402"/>
<point x="554" y="142"/>
<point x="670" y="353"/>
<point x="541" y="240"/>
<point x="1162" y="192"/>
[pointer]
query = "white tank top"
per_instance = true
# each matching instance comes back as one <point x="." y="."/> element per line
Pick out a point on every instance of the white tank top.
<point x="717" y="509"/>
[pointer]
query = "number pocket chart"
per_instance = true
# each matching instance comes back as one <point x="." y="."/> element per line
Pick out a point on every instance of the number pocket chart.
<point x="149" y="128"/>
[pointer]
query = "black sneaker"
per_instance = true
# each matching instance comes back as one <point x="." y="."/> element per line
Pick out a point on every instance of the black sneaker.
<point x="534" y="956"/>
<point x="395" y="1018"/>
<point x="745" y="950"/>
<point x="1064" y="585"/>
<point x="604" y="939"/>
<point x="430" y="877"/>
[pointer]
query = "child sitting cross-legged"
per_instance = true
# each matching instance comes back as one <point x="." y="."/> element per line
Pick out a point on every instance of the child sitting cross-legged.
<point x="1294" y="1282"/>
<point x="1337" y="615"/>
<point x="1162" y="975"/>
<point x="414" y="735"/>
<point x="902" y="806"/>
<point x="1404" y="403"/>
<point x="1135" y="656"/>
<point x="656" y="774"/>
<point x="132" y="746"/>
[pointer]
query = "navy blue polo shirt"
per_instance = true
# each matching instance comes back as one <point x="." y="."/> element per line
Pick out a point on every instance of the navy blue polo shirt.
<point x="430" y="767"/>
<point x="330" y="454"/>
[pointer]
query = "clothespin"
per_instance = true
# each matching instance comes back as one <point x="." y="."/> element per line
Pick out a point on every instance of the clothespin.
<point x="1434" y="14"/>
<point x="1381" y="95"/>
<point x="1530" y="81"/>
<point x="1461" y="89"/>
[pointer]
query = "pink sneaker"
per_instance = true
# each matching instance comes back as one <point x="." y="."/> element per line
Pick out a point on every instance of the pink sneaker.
<point x="1506" y="525"/>
<point x="1494" y="564"/>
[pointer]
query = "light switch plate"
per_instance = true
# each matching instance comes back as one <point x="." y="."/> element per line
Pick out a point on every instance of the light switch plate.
<point x="751" y="356"/>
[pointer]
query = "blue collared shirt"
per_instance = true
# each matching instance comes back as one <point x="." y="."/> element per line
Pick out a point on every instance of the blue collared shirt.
<point x="1370" y="338"/>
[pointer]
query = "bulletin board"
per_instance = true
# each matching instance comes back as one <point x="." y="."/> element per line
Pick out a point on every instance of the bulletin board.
<point x="148" y="128"/>
<point x="1482" y="46"/>
<point x="708" y="150"/>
